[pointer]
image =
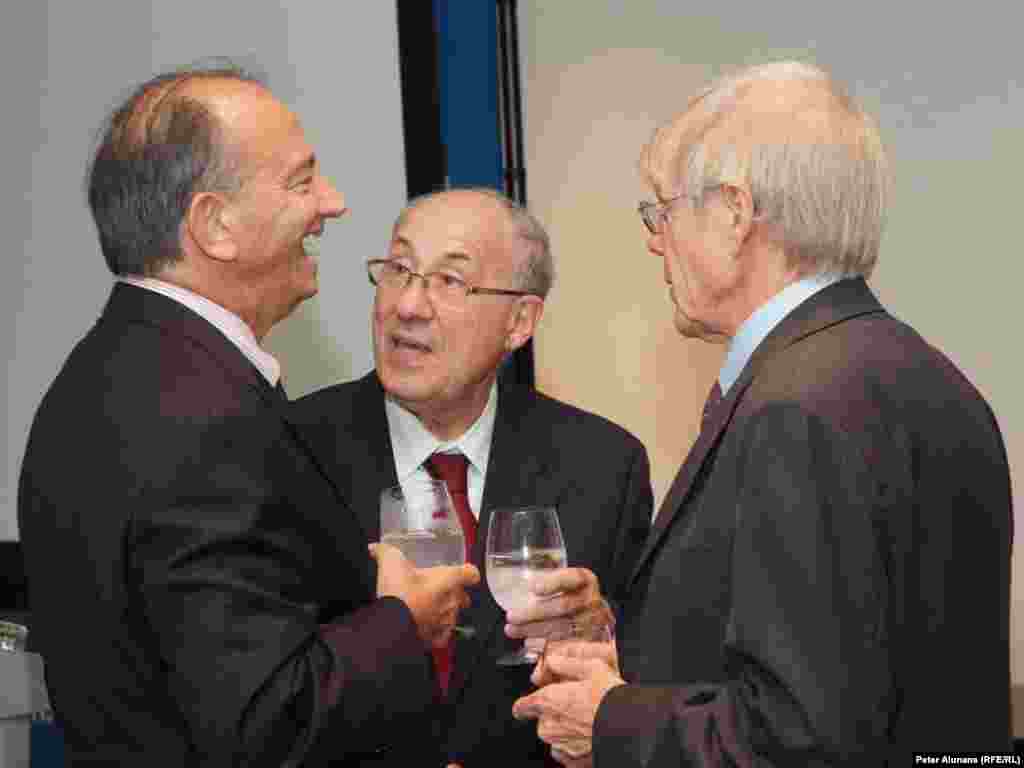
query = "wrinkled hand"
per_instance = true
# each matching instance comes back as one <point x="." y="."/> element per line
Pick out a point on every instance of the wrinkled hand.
<point x="565" y="711"/>
<point x="604" y="651"/>
<point x="434" y="595"/>
<point x="568" y="598"/>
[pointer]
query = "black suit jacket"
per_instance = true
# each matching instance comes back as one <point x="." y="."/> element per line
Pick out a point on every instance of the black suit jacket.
<point x="543" y="451"/>
<point x="827" y="581"/>
<point x="200" y="592"/>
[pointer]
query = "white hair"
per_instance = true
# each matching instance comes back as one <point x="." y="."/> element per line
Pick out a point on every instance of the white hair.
<point x="811" y="158"/>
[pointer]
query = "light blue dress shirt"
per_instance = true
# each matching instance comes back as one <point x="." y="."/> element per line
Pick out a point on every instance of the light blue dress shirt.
<point x="760" y="324"/>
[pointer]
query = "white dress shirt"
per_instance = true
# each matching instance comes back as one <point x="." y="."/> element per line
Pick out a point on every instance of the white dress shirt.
<point x="225" y="321"/>
<point x="412" y="444"/>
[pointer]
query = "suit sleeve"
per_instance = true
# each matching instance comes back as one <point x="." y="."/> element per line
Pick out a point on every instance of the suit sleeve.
<point x="634" y="524"/>
<point x="808" y="673"/>
<point x="223" y="559"/>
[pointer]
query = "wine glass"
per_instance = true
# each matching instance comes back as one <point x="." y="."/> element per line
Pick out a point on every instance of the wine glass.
<point x="420" y="520"/>
<point x="521" y="542"/>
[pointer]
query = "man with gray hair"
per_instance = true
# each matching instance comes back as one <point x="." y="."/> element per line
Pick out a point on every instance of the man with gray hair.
<point x="827" y="581"/>
<point x="461" y="286"/>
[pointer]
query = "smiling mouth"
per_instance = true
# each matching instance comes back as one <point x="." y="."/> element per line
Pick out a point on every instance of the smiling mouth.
<point x="311" y="246"/>
<point x="406" y="343"/>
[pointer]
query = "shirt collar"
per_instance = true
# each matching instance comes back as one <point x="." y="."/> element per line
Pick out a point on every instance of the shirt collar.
<point x="231" y="325"/>
<point x="412" y="443"/>
<point x="764" y="320"/>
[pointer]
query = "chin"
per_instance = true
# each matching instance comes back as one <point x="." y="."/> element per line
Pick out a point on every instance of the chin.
<point x="687" y="327"/>
<point x="407" y="387"/>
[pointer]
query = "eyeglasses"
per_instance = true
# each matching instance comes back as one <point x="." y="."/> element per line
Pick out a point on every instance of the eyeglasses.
<point x="653" y="214"/>
<point x="442" y="287"/>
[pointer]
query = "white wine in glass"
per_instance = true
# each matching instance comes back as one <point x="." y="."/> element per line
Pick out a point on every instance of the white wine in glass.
<point x="521" y="542"/>
<point x="421" y="522"/>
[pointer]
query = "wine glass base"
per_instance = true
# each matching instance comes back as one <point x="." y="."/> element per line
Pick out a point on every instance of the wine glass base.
<point x="522" y="656"/>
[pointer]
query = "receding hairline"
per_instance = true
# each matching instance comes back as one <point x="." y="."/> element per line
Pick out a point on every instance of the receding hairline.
<point x="527" y="241"/>
<point x="204" y="88"/>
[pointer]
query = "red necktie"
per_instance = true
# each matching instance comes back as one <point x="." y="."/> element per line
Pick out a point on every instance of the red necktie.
<point x="451" y="468"/>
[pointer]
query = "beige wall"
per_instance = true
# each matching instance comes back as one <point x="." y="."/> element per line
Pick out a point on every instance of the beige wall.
<point x="599" y="76"/>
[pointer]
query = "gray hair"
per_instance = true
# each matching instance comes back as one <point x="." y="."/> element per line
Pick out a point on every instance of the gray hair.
<point x="813" y="160"/>
<point x="157" y="151"/>
<point x="536" y="270"/>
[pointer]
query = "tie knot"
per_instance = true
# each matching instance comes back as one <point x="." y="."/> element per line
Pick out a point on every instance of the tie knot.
<point x="450" y="467"/>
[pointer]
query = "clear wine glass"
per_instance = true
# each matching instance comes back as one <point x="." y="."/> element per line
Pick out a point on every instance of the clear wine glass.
<point x="420" y="520"/>
<point x="521" y="542"/>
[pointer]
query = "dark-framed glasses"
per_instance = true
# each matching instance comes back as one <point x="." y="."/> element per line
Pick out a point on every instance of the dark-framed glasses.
<point x="444" y="287"/>
<point x="653" y="214"/>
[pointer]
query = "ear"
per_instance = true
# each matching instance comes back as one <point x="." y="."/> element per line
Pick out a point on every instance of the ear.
<point x="208" y="222"/>
<point x="741" y="207"/>
<point x="522" y="321"/>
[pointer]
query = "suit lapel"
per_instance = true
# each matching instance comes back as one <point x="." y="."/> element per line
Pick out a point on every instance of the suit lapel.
<point x="348" y="430"/>
<point x="678" y="492"/>
<point x="370" y="459"/>
<point x="518" y="473"/>
<point x="837" y="303"/>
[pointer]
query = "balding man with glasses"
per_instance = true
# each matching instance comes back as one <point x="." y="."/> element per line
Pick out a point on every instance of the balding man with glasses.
<point x="462" y="287"/>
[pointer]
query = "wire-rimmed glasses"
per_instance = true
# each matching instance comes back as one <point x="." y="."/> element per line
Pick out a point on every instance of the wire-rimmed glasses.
<point x="444" y="287"/>
<point x="653" y="214"/>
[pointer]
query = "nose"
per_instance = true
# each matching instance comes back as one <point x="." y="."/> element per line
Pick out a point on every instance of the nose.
<point x="332" y="202"/>
<point x="413" y="302"/>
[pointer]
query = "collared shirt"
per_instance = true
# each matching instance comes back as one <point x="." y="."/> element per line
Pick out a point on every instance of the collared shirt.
<point x="761" y="323"/>
<point x="231" y="325"/>
<point x="412" y="444"/>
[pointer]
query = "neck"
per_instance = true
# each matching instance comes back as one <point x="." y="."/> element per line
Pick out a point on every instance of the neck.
<point x="449" y="422"/>
<point x="227" y="293"/>
<point x="765" y="275"/>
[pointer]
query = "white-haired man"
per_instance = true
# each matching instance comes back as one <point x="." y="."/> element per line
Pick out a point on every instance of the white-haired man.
<point x="793" y="605"/>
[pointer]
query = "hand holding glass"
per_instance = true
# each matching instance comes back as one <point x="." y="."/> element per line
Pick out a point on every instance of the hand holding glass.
<point x="521" y="542"/>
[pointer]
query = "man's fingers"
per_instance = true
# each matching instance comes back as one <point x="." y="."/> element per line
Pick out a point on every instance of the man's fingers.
<point x="571" y="667"/>
<point x="528" y="707"/>
<point x="561" y="580"/>
<point x="540" y="629"/>
<point x="549" y="608"/>
<point x="379" y="550"/>
<point x="472" y="574"/>
<point x="465" y="575"/>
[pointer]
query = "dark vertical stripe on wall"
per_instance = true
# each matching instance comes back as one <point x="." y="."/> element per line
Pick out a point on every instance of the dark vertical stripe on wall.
<point x="421" y="98"/>
<point x="510" y="121"/>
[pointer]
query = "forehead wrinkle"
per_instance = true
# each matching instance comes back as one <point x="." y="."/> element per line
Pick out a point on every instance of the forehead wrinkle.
<point x="446" y="255"/>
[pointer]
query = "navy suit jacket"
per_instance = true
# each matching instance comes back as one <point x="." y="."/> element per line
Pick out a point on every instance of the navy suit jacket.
<point x="543" y="452"/>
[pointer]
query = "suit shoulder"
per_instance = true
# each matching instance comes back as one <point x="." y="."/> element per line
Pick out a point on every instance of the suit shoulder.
<point x="339" y="400"/>
<point x="565" y="416"/>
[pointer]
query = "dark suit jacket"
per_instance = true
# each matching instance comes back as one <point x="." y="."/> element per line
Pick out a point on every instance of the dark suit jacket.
<point x="200" y="592"/>
<point x="543" y="451"/>
<point x="827" y="582"/>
